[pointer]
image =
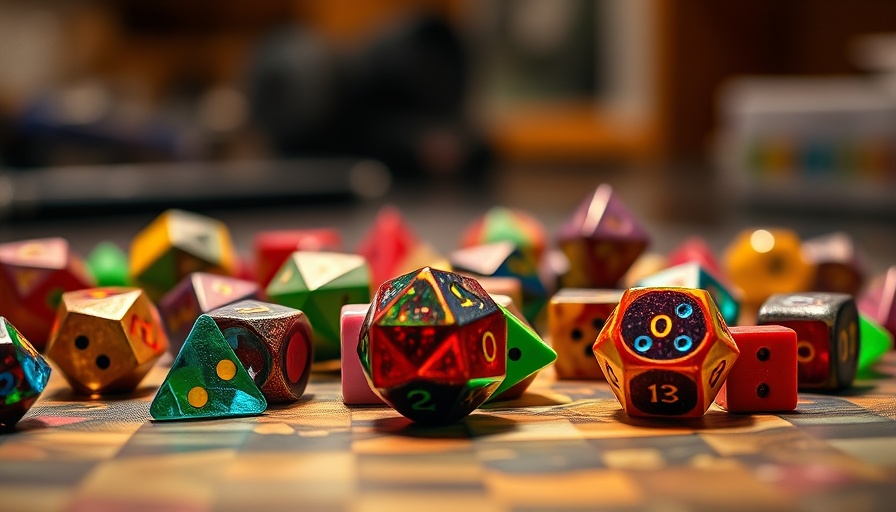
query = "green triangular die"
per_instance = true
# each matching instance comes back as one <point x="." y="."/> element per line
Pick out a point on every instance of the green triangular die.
<point x="294" y="284"/>
<point x="535" y="354"/>
<point x="207" y="380"/>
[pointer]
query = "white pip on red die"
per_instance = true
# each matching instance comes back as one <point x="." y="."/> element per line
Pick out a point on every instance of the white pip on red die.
<point x="764" y="378"/>
<point x="355" y="388"/>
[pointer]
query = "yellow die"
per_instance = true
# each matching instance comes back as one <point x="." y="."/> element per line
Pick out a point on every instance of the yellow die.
<point x="575" y="318"/>
<point x="763" y="262"/>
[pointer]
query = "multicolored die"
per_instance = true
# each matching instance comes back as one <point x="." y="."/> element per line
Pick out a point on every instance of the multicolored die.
<point x="33" y="276"/>
<point x="827" y="327"/>
<point x="501" y="224"/>
<point x="601" y="240"/>
<point x="666" y="352"/>
<point x="23" y="375"/>
<point x="105" y="340"/>
<point x="176" y="244"/>
<point x="693" y="275"/>
<point x="434" y="345"/>
<point x="575" y="318"/>
<point x="272" y="342"/>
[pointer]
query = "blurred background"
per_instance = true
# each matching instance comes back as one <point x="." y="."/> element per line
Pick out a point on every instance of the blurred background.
<point x="708" y="116"/>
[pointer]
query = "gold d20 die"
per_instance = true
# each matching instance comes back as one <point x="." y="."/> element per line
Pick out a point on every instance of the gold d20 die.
<point x="105" y="340"/>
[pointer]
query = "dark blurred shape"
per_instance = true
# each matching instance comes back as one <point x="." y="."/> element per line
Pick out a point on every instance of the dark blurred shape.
<point x="399" y="99"/>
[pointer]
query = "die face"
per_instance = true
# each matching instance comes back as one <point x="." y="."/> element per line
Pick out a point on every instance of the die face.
<point x="695" y="250"/>
<point x="837" y="263"/>
<point x="764" y="379"/>
<point x="387" y="243"/>
<point x="23" y="375"/>
<point x="355" y="388"/>
<point x="106" y="339"/>
<point x="879" y="300"/>
<point x="692" y="275"/>
<point x="601" y="240"/>
<point x="527" y="353"/>
<point x="434" y="345"/>
<point x="206" y="380"/>
<point x="765" y="262"/>
<point x="827" y="328"/>
<point x="319" y="284"/>
<point x="876" y="341"/>
<point x="665" y="351"/>
<point x="272" y="248"/>
<point x="575" y="318"/>
<point x="33" y="276"/>
<point x="176" y="244"/>
<point x="272" y="342"/>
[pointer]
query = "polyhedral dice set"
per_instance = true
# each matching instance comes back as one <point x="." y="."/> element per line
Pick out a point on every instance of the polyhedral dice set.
<point x="436" y="338"/>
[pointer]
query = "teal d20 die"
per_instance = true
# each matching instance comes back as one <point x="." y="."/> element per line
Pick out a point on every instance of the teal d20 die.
<point x="319" y="284"/>
<point x="207" y="380"/>
<point x="23" y="375"/>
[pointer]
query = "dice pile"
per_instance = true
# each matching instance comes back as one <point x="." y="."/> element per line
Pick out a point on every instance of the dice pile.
<point x="436" y="336"/>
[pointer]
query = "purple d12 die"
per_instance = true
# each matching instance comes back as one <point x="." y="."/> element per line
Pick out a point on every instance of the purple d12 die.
<point x="601" y="240"/>
<point x="197" y="294"/>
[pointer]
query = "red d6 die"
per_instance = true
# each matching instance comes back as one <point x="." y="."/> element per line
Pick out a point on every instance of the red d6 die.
<point x="665" y="352"/>
<point x="765" y="375"/>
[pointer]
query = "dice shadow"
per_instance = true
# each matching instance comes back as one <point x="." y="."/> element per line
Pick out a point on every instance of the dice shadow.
<point x="712" y="420"/>
<point x="471" y="427"/>
<point x="68" y="394"/>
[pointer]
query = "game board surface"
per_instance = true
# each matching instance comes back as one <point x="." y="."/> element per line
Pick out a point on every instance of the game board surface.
<point x="565" y="445"/>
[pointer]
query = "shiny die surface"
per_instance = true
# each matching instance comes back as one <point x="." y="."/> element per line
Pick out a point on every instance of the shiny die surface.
<point x="105" y="340"/>
<point x="434" y="345"/>
<point x="575" y="318"/>
<point x="176" y="244"/>
<point x="763" y="262"/>
<point x="319" y="284"/>
<point x="693" y="275"/>
<point x="665" y="352"/>
<point x="764" y="378"/>
<point x="827" y="328"/>
<point x="23" y="375"/>
<point x="199" y="293"/>
<point x="272" y="342"/>
<point x="272" y="248"/>
<point x="33" y="276"/>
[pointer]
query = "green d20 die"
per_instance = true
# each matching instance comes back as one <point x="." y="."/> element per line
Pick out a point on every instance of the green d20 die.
<point x="527" y="353"/>
<point x="207" y="380"/>
<point x="319" y="284"/>
<point x="876" y="341"/>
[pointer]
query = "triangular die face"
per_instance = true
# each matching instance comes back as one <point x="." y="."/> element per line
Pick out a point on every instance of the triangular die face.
<point x="355" y="279"/>
<point x="465" y="298"/>
<point x="527" y="353"/>
<point x="35" y="370"/>
<point x="418" y="304"/>
<point x="447" y="363"/>
<point x="392" y="365"/>
<point x="602" y="215"/>
<point x="686" y="275"/>
<point x="109" y="303"/>
<point x="318" y="269"/>
<point x="483" y="259"/>
<point x="617" y="221"/>
<point x="287" y="280"/>
<point x="26" y="280"/>
<point x="196" y="235"/>
<point x="214" y="291"/>
<point x="206" y="380"/>
<point x="161" y="273"/>
<point x="391" y="289"/>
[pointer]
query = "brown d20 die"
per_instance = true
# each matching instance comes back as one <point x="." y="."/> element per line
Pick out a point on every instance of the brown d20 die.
<point x="272" y="342"/>
<point x="33" y="276"/>
<point x="105" y="340"/>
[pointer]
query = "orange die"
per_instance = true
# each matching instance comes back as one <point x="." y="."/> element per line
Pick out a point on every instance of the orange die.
<point x="665" y="352"/>
<point x="105" y="340"/>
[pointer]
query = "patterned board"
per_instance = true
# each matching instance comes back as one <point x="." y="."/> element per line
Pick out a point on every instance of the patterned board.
<point x="563" y="446"/>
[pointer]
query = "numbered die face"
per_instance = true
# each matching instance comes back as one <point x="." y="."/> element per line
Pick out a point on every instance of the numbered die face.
<point x="662" y="326"/>
<point x="434" y="345"/>
<point x="665" y="351"/>
<point x="827" y="328"/>
<point x="272" y="342"/>
<point x="105" y="340"/>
